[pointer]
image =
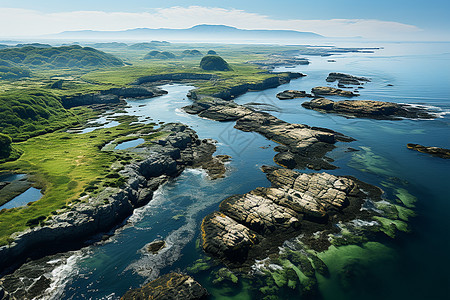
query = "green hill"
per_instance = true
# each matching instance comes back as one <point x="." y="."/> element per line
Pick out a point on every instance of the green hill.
<point x="9" y="70"/>
<point x="26" y="113"/>
<point x="59" y="57"/>
<point x="214" y="63"/>
<point x="159" y="55"/>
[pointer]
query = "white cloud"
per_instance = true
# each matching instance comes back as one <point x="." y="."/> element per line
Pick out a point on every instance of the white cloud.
<point x="21" y="22"/>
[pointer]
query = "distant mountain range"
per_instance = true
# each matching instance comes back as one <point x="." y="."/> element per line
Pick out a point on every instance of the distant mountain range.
<point x="214" y="33"/>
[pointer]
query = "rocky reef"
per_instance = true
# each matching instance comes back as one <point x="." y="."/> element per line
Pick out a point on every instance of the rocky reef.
<point x="300" y="146"/>
<point x="276" y="60"/>
<point x="254" y="224"/>
<point x="330" y="91"/>
<point x="368" y="109"/>
<point x="154" y="164"/>
<point x="434" y="151"/>
<point x="346" y="79"/>
<point x="170" y="286"/>
<point x="292" y="94"/>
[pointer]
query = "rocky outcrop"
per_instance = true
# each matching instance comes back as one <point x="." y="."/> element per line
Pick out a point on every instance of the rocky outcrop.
<point x="251" y="224"/>
<point x="171" y="286"/>
<point x="276" y="60"/>
<point x="301" y="146"/>
<point x="346" y="79"/>
<point x="111" y="96"/>
<point x="271" y="82"/>
<point x="434" y="151"/>
<point x="165" y="158"/>
<point x="174" y="77"/>
<point x="330" y="91"/>
<point x="292" y="94"/>
<point x="368" y="109"/>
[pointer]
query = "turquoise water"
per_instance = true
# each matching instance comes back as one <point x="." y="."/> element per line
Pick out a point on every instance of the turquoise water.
<point x="413" y="266"/>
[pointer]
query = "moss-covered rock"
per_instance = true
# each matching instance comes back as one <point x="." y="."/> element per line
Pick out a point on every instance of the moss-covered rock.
<point x="5" y="145"/>
<point x="214" y="63"/>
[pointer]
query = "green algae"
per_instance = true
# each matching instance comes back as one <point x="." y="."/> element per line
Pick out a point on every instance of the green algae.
<point x="369" y="162"/>
<point x="342" y="261"/>
<point x="224" y="274"/>
<point x="199" y="265"/>
<point x="405" y="197"/>
<point x="390" y="227"/>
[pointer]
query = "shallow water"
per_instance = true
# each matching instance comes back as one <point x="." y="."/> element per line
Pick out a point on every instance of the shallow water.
<point x="30" y="195"/>
<point x="413" y="266"/>
<point x="129" y="144"/>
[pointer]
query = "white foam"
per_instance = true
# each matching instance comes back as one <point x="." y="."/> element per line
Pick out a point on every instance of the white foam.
<point x="61" y="275"/>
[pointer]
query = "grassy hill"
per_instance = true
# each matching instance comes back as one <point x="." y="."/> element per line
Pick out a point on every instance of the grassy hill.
<point x="59" y="57"/>
<point x="28" y="113"/>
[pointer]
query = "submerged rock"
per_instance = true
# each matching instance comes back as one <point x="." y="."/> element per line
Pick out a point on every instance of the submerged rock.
<point x="330" y="91"/>
<point x="155" y="246"/>
<point x="251" y="224"/>
<point x="171" y="286"/>
<point x="368" y="109"/>
<point x="434" y="151"/>
<point x="292" y="94"/>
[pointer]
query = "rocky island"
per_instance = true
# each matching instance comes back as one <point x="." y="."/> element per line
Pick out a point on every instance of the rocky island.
<point x="434" y="151"/>
<point x="368" y="109"/>
<point x="330" y="91"/>
<point x="346" y="79"/>
<point x="301" y="146"/>
<point x="292" y="94"/>
<point x="255" y="224"/>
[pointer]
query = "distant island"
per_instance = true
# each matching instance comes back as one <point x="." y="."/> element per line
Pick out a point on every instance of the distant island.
<point x="198" y="33"/>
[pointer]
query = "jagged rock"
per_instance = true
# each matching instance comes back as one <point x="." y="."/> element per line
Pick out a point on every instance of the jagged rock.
<point x="368" y="109"/>
<point x="182" y="149"/>
<point x="224" y="237"/>
<point x="155" y="246"/>
<point x="326" y="90"/>
<point x="434" y="151"/>
<point x="171" y="286"/>
<point x="292" y="94"/>
<point x="344" y="79"/>
<point x="305" y="146"/>
<point x="265" y="217"/>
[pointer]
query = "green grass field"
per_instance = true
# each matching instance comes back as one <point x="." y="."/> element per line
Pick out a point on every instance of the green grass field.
<point x="67" y="165"/>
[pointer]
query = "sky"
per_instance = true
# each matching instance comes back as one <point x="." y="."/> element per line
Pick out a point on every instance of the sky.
<point x="380" y="20"/>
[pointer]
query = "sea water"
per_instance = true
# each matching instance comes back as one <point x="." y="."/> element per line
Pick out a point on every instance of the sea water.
<point x="415" y="265"/>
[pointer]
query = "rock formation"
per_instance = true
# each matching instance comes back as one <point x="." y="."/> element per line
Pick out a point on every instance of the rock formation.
<point x="330" y="91"/>
<point x="171" y="286"/>
<point x="301" y="146"/>
<point x="251" y="224"/>
<point x="292" y="94"/>
<point x="160" y="161"/>
<point x="346" y="79"/>
<point x="434" y="151"/>
<point x="368" y="109"/>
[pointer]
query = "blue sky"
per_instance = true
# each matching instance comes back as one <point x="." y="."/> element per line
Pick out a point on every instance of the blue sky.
<point x="429" y="18"/>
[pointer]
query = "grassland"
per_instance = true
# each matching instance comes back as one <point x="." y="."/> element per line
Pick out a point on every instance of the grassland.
<point x="67" y="165"/>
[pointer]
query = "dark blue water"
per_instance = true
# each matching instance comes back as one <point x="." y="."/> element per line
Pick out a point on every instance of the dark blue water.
<point x="413" y="266"/>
